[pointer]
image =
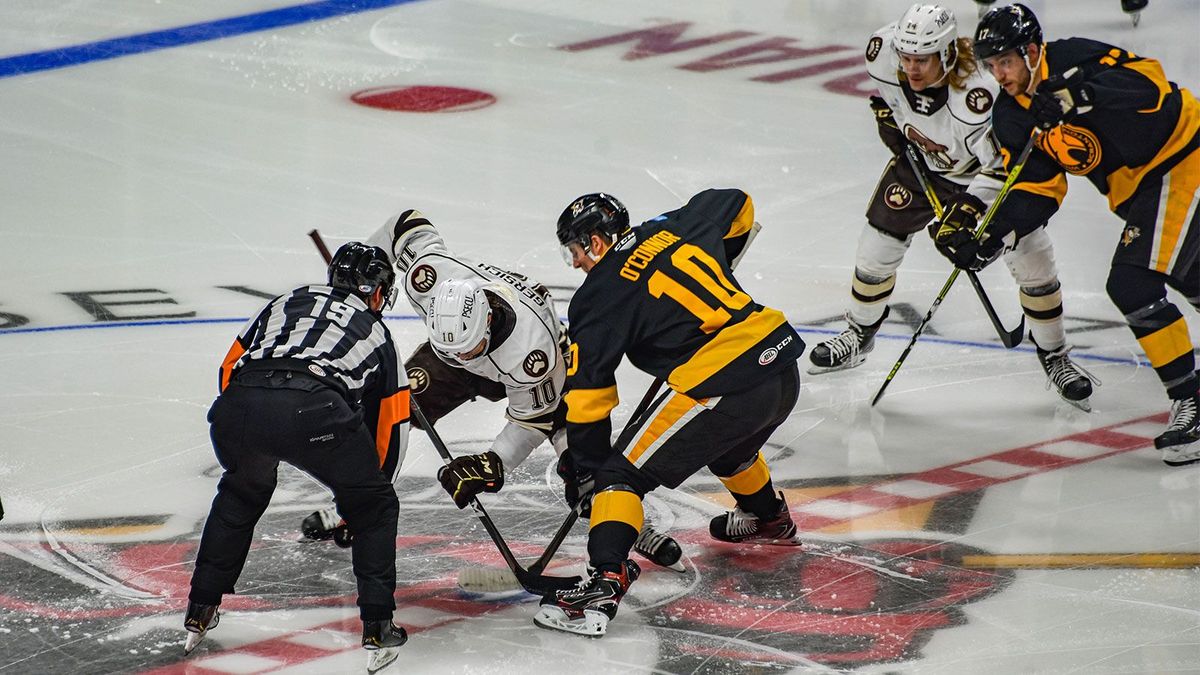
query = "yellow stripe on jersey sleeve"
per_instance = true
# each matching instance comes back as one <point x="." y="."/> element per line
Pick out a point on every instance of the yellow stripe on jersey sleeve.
<point x="743" y="222"/>
<point x="1055" y="188"/>
<point x="585" y="406"/>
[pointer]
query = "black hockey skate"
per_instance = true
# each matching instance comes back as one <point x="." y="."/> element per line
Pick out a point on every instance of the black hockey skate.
<point x="1073" y="383"/>
<point x="984" y="6"/>
<point x="1180" y="443"/>
<point x="587" y="608"/>
<point x="382" y="639"/>
<point x="1134" y="9"/>
<point x="658" y="548"/>
<point x="846" y="350"/>
<point x="199" y="620"/>
<point x="738" y="527"/>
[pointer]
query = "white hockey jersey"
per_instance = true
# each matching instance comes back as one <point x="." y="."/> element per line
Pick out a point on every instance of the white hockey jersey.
<point x="952" y="127"/>
<point x="529" y="362"/>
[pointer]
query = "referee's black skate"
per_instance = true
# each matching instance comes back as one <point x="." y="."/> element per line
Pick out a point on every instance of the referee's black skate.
<point x="847" y="349"/>
<point x="1180" y="443"/>
<point x="658" y="548"/>
<point x="199" y="620"/>
<point x="382" y="639"/>
<point x="587" y="608"/>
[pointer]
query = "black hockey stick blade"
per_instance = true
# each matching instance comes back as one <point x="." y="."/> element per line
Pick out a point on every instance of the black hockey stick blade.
<point x="1009" y="338"/>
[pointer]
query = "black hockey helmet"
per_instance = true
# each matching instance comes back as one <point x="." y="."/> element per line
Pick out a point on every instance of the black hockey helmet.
<point x="595" y="212"/>
<point x="362" y="269"/>
<point x="1003" y="28"/>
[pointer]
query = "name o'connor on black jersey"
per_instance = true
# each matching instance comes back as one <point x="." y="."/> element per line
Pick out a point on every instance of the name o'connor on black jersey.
<point x="331" y="334"/>
<point x="664" y="296"/>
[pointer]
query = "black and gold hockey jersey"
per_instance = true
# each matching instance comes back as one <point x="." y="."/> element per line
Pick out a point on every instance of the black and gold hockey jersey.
<point x="330" y="334"/>
<point x="664" y="295"/>
<point x="1140" y="124"/>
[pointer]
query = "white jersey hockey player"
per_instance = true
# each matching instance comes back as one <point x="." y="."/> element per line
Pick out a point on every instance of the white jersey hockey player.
<point x="492" y="333"/>
<point x="934" y="96"/>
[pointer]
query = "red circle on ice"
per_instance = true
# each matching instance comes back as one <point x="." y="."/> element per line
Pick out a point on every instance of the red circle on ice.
<point x="424" y="99"/>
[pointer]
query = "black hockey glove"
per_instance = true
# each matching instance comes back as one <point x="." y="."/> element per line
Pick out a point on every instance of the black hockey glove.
<point x="466" y="476"/>
<point x="578" y="484"/>
<point x="326" y="525"/>
<point x="954" y="234"/>
<point x="1059" y="98"/>
<point x="889" y="131"/>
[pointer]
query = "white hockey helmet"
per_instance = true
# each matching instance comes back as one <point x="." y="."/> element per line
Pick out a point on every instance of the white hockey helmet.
<point x="459" y="318"/>
<point x="928" y="29"/>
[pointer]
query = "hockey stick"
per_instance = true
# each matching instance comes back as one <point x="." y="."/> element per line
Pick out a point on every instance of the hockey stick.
<point x="533" y="582"/>
<point x="488" y="580"/>
<point x="987" y="219"/>
<point x="634" y="419"/>
<point x="1009" y="338"/>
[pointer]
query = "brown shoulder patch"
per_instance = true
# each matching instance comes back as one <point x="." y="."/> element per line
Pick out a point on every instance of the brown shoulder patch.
<point x="874" y="47"/>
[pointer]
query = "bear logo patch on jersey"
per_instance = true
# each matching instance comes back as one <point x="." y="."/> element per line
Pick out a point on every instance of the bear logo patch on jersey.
<point x="536" y="363"/>
<point x="1077" y="150"/>
<point x="418" y="380"/>
<point x="897" y="196"/>
<point x="979" y="100"/>
<point x="873" y="48"/>
<point x="423" y="278"/>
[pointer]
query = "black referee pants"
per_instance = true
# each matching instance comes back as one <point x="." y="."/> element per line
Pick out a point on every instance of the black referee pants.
<point x="264" y="417"/>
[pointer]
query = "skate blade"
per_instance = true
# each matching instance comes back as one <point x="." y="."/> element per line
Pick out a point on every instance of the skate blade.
<point x="814" y="369"/>
<point x="193" y="641"/>
<point x="488" y="580"/>
<point x="592" y="624"/>
<point x="676" y="566"/>
<point x="1136" y="18"/>
<point x="378" y="659"/>
<point x="1184" y="455"/>
<point x="1085" y="404"/>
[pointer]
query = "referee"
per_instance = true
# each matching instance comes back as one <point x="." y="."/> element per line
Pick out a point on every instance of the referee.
<point x="314" y="380"/>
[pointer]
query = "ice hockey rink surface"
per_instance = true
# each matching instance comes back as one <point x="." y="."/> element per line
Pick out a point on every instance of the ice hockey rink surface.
<point x="163" y="161"/>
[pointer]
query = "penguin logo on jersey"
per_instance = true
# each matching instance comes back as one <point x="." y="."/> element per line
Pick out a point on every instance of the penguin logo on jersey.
<point x="1132" y="232"/>
<point x="423" y="278"/>
<point x="418" y="380"/>
<point x="1077" y="150"/>
<point x="897" y="196"/>
<point x="979" y="100"/>
<point x="536" y="363"/>
<point x="873" y="48"/>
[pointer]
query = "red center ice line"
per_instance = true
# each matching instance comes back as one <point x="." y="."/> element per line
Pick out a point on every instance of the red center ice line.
<point x="980" y="472"/>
